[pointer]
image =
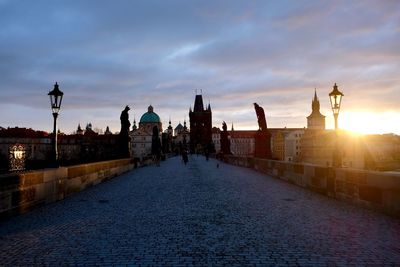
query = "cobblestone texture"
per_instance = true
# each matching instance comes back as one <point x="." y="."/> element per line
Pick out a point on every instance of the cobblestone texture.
<point x="199" y="215"/>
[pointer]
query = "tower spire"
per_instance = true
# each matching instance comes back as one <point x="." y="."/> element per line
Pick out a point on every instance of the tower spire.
<point x="316" y="120"/>
<point x="315" y="103"/>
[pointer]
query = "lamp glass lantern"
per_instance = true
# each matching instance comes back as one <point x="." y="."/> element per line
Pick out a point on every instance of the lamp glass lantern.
<point x="56" y="96"/>
<point x="336" y="99"/>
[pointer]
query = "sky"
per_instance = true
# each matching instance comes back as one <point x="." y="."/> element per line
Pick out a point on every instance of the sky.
<point x="109" y="54"/>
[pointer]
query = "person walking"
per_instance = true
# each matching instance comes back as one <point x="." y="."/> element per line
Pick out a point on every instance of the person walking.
<point x="185" y="158"/>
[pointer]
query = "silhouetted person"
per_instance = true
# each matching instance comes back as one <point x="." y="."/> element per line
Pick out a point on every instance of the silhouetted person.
<point x="185" y="158"/>
<point x="124" y="133"/>
<point x="207" y="153"/>
<point x="156" y="146"/>
<point x="262" y="123"/>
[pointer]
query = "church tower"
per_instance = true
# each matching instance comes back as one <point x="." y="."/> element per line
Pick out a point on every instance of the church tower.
<point x="200" y="125"/>
<point x="316" y="121"/>
<point x="170" y="130"/>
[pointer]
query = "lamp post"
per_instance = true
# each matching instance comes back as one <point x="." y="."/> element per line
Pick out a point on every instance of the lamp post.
<point x="55" y="100"/>
<point x="336" y="99"/>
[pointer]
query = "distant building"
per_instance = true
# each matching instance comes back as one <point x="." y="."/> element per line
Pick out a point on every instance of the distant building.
<point x="316" y="121"/>
<point x="79" y="130"/>
<point x="382" y="152"/>
<point x="167" y="137"/>
<point x="89" y="130"/>
<point x="242" y="142"/>
<point x="141" y="137"/>
<point x="178" y="129"/>
<point x="317" y="147"/>
<point x="286" y="143"/>
<point x="278" y="145"/>
<point x="37" y="146"/>
<point x="134" y="127"/>
<point x="292" y="144"/>
<point x="200" y="125"/>
<point x="169" y="130"/>
<point x="216" y="138"/>
<point x="89" y="147"/>
<point x="181" y="139"/>
<point x="73" y="149"/>
<point x="107" y="132"/>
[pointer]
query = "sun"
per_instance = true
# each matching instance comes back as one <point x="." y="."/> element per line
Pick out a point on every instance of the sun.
<point x="369" y="122"/>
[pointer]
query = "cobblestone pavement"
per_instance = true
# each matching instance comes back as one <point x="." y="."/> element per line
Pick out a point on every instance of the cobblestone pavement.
<point x="177" y="215"/>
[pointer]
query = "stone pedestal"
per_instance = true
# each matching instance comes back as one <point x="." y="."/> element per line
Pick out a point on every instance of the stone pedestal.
<point x="225" y="143"/>
<point x="263" y="145"/>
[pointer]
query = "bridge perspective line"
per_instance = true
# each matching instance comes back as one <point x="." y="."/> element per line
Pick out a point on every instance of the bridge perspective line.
<point x="204" y="213"/>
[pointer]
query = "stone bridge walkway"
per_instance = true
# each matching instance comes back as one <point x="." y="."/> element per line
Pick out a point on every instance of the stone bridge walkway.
<point x="177" y="215"/>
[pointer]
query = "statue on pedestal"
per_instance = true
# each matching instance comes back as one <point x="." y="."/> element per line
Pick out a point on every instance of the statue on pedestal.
<point x="262" y="123"/>
<point x="225" y="143"/>
<point x="124" y="134"/>
<point x="263" y="137"/>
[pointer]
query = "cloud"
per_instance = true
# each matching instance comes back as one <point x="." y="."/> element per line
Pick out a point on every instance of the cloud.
<point x="106" y="55"/>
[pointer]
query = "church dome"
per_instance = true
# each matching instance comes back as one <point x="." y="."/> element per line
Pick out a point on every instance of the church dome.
<point x="150" y="116"/>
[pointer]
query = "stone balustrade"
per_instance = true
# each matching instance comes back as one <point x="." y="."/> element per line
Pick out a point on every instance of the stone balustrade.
<point x="378" y="191"/>
<point x="21" y="192"/>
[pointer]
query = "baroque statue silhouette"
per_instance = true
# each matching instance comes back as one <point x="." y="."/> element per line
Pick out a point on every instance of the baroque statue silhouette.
<point x="124" y="133"/>
<point x="262" y="123"/>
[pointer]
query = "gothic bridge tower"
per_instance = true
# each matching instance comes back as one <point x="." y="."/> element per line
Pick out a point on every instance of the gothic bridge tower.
<point x="200" y="126"/>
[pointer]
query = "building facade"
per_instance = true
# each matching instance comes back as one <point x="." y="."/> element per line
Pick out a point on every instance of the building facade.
<point x="216" y="138"/>
<point x="242" y="142"/>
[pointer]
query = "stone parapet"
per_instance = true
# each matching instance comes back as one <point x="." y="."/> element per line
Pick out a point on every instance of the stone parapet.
<point x="378" y="191"/>
<point x="21" y="192"/>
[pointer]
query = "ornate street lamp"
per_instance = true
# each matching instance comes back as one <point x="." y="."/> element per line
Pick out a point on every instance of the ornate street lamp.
<point x="56" y="97"/>
<point x="336" y="99"/>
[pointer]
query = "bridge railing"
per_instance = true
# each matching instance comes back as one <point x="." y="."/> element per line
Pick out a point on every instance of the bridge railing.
<point x="21" y="192"/>
<point x="378" y="191"/>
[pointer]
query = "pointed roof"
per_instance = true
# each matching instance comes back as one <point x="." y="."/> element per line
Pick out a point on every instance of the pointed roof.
<point x="107" y="132"/>
<point x="315" y="103"/>
<point x="79" y="130"/>
<point x="198" y="104"/>
<point x="179" y="126"/>
<point x="315" y="106"/>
